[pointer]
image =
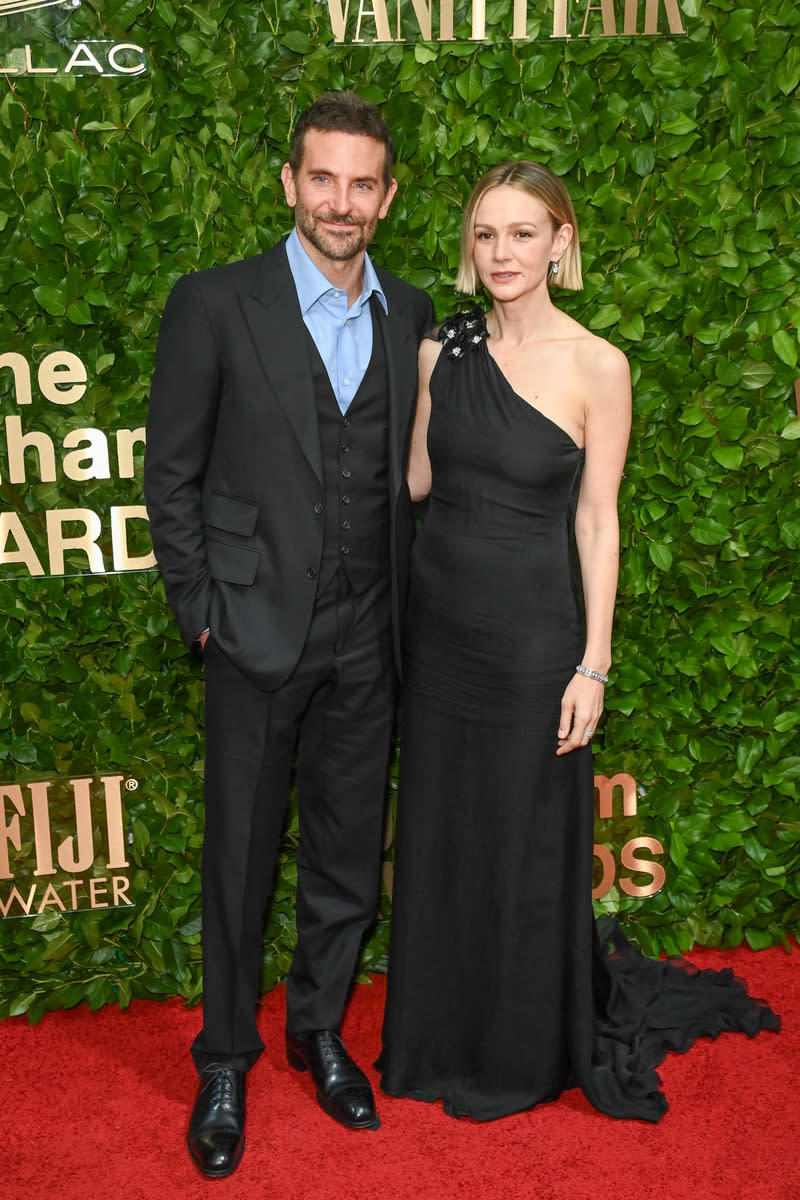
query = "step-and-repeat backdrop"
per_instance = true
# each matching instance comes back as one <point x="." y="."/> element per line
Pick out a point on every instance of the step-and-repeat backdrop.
<point x="141" y="140"/>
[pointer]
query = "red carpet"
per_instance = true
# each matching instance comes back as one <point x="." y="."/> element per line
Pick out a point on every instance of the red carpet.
<point x="96" y="1104"/>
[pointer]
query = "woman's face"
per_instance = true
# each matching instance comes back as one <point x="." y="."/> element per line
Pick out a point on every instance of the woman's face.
<point x="515" y="242"/>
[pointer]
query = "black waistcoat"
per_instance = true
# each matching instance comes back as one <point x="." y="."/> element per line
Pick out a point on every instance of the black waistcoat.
<point x="355" y="465"/>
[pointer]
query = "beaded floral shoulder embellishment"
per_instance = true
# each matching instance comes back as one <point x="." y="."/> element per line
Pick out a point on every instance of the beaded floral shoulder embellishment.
<point x="466" y="330"/>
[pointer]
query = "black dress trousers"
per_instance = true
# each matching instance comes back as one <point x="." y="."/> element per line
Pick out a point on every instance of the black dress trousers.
<point x="339" y="701"/>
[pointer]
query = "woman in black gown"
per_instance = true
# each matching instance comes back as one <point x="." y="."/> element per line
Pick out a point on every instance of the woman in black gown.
<point x="500" y="993"/>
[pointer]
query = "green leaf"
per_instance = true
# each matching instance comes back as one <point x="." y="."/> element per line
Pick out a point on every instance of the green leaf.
<point x="79" y="313"/>
<point x="730" y="457"/>
<point x="785" y="347"/>
<point x="470" y="84"/>
<point x="709" y="532"/>
<point x="756" y="374"/>
<point x="680" y="124"/>
<point x="759" y="939"/>
<point x="296" y="40"/>
<point x="51" y="299"/>
<point x="748" y="752"/>
<point x="693" y="414"/>
<point x="661" y="555"/>
<point x="605" y="315"/>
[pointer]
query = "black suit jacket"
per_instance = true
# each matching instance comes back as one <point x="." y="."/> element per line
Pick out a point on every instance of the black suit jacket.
<point x="233" y="466"/>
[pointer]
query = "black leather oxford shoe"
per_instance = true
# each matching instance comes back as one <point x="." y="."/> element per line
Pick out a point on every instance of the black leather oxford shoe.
<point x="343" y="1089"/>
<point x="216" y="1127"/>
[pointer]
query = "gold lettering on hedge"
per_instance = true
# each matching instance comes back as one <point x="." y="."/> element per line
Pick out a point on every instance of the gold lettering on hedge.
<point x="11" y="527"/>
<point x="82" y="56"/>
<point x="32" y="70"/>
<point x="114" y="822"/>
<point x="605" y="789"/>
<point x="13" y="895"/>
<point x="631" y="862"/>
<point x="62" y="377"/>
<point x="126" y="440"/>
<point x="85" y="543"/>
<point x="673" y="14"/>
<point x="338" y="16"/>
<point x="606" y="9"/>
<point x="51" y="896"/>
<point x="645" y="866"/>
<point x="609" y="871"/>
<point x="123" y="559"/>
<point x="424" y="17"/>
<point x="559" y="19"/>
<point x="136" y="69"/>
<point x="22" y="375"/>
<point x="76" y="853"/>
<point x="83" y="838"/>
<point x="104" y="59"/>
<point x="67" y="859"/>
<point x="119" y="886"/>
<point x="40" y="804"/>
<point x="382" y="31"/>
<point x="33" y="456"/>
<point x="121" y="518"/>
<point x="16" y="445"/>
<point x="478" y="21"/>
<point x="95" y="455"/>
<point x="75" y="891"/>
<point x="10" y="832"/>
<point x="565" y="13"/>
<point x="91" y="461"/>
<point x="630" y="20"/>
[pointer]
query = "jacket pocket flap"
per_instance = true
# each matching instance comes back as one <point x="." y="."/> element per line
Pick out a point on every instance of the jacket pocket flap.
<point x="231" y="564"/>
<point x="230" y="514"/>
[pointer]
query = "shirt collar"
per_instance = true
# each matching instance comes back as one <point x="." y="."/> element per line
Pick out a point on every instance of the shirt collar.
<point x="311" y="284"/>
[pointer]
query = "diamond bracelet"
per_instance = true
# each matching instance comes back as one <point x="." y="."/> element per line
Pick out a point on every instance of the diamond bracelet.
<point x="590" y="674"/>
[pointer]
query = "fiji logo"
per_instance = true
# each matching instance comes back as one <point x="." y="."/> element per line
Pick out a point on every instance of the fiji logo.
<point x="14" y="6"/>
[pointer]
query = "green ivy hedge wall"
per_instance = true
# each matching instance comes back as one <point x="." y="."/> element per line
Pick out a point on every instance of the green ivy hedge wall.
<point x="682" y="155"/>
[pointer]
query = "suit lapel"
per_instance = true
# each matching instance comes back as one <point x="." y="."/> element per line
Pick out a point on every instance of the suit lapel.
<point x="273" y="313"/>
<point x="401" y="368"/>
<point x="279" y="333"/>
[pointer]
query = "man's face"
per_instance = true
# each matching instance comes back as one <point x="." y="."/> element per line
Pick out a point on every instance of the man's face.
<point x="338" y="194"/>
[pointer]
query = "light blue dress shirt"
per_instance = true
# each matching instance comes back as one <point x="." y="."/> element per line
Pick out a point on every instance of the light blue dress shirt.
<point x="342" y="335"/>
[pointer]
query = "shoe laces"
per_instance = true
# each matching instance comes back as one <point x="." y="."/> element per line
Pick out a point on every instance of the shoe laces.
<point x="330" y="1048"/>
<point x="222" y="1082"/>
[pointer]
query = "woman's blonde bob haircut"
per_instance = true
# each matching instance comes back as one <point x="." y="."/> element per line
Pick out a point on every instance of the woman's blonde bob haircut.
<point x="543" y="185"/>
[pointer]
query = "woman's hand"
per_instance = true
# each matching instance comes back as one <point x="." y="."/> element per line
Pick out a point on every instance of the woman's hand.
<point x="581" y="708"/>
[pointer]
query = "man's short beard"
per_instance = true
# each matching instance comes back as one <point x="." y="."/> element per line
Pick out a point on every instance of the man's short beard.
<point x="328" y="243"/>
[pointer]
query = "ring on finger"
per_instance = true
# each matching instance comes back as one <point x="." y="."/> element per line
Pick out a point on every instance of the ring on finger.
<point x="587" y="733"/>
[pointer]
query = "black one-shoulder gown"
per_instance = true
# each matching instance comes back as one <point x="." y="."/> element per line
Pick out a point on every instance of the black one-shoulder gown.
<point x="503" y="990"/>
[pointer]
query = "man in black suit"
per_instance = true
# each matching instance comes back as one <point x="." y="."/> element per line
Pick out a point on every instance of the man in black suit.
<point x="277" y="439"/>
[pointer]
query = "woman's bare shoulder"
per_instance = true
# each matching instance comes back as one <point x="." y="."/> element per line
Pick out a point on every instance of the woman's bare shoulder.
<point x="597" y="354"/>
